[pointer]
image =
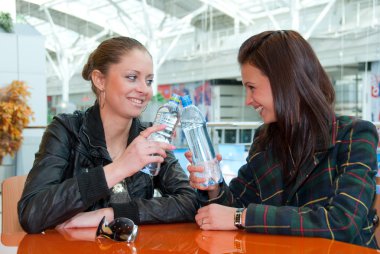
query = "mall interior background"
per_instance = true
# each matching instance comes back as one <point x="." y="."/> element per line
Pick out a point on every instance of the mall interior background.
<point x="194" y="44"/>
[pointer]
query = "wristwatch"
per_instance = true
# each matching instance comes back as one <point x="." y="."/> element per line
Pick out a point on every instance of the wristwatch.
<point x="237" y="218"/>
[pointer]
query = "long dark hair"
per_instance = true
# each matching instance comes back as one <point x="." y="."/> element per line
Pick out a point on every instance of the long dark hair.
<point x="302" y="92"/>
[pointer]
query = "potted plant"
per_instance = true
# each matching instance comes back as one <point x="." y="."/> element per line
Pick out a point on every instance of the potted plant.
<point x="15" y="115"/>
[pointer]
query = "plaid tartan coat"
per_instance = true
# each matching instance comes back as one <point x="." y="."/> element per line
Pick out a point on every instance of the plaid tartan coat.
<point x="331" y="198"/>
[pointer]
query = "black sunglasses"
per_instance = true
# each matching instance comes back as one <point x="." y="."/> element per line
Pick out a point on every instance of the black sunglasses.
<point x="120" y="229"/>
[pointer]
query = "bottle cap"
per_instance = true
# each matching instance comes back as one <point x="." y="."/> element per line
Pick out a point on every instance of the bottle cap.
<point x="175" y="98"/>
<point x="186" y="100"/>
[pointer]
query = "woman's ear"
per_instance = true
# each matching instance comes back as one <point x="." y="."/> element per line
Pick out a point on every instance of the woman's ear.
<point x="98" y="79"/>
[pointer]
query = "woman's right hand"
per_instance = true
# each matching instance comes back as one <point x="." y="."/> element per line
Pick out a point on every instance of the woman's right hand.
<point x="195" y="181"/>
<point x="139" y="153"/>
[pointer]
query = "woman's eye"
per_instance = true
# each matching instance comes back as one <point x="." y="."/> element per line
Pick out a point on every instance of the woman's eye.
<point x="149" y="82"/>
<point x="250" y="88"/>
<point x="131" y="77"/>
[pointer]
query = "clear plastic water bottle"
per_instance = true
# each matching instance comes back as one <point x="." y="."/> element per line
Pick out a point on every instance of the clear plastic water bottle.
<point x="194" y="127"/>
<point x="167" y="114"/>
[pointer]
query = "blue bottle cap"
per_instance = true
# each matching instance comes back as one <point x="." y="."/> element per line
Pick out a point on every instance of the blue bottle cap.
<point x="186" y="100"/>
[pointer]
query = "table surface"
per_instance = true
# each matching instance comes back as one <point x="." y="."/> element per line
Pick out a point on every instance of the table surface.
<point x="174" y="238"/>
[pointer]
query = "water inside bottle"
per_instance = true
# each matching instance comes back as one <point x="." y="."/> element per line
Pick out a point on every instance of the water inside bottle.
<point x="203" y="152"/>
<point x="199" y="142"/>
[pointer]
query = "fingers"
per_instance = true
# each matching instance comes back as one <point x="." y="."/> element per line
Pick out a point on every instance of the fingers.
<point x="199" y="218"/>
<point x="199" y="183"/>
<point x="204" y="219"/>
<point x="189" y="156"/>
<point x="150" y="144"/>
<point x="198" y="186"/>
<point x="192" y="168"/>
<point x="201" y="186"/>
<point x="148" y="131"/>
<point x="196" y="179"/>
<point x="153" y="147"/>
<point x="60" y="226"/>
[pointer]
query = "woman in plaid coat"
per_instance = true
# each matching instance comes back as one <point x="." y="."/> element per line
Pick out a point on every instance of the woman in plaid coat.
<point x="309" y="172"/>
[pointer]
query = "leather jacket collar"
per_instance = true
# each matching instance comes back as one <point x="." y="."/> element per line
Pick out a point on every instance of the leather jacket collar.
<point x="94" y="131"/>
<point x="93" y="127"/>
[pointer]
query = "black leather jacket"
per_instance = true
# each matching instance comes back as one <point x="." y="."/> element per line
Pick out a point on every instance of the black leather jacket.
<point x="68" y="177"/>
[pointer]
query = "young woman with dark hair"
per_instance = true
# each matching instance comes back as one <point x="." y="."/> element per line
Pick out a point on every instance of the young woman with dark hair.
<point x="309" y="172"/>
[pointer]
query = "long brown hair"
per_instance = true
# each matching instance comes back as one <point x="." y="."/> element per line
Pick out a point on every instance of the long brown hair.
<point x="109" y="52"/>
<point x="302" y="92"/>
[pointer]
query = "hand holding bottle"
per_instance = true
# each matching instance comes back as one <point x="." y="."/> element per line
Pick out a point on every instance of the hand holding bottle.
<point x="143" y="150"/>
<point x="194" y="127"/>
<point x="167" y="114"/>
<point x="196" y="181"/>
<point x="138" y="154"/>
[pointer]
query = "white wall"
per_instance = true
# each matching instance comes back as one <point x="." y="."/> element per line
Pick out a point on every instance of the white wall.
<point x="23" y="58"/>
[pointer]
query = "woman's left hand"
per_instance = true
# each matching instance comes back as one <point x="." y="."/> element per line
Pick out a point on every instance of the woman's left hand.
<point x="87" y="219"/>
<point x="216" y="217"/>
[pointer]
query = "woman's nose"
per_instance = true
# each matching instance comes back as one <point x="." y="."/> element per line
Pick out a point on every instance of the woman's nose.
<point x="248" y="99"/>
<point x="142" y="87"/>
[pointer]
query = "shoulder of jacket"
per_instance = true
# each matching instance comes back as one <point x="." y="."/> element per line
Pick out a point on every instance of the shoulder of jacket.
<point x="344" y="120"/>
<point x="346" y="123"/>
<point x="72" y="122"/>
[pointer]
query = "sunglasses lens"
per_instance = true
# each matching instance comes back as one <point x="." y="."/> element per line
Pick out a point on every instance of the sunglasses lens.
<point x="120" y="229"/>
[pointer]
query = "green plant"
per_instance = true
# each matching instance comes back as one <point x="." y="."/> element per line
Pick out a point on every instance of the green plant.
<point x="158" y="98"/>
<point x="15" y="115"/>
<point x="6" y="22"/>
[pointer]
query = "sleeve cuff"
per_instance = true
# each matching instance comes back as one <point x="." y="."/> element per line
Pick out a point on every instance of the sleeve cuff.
<point x="92" y="185"/>
<point x="129" y="210"/>
<point x="203" y="199"/>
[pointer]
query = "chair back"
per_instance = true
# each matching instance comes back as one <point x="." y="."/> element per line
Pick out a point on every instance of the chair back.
<point x="11" y="190"/>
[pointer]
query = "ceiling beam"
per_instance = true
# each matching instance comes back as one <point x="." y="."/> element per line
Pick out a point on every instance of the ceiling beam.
<point x="319" y="19"/>
<point x="230" y="10"/>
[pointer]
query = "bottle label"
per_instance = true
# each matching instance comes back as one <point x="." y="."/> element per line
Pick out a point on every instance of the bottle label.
<point x="169" y="119"/>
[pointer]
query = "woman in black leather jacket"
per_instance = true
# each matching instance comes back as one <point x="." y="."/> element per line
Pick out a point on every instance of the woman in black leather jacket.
<point x="88" y="164"/>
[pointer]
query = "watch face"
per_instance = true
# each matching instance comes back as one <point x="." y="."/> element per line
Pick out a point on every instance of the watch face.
<point x="238" y="215"/>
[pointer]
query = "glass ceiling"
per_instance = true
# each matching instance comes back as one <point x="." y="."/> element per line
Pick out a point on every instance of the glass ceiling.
<point x="72" y="22"/>
<point x="186" y="29"/>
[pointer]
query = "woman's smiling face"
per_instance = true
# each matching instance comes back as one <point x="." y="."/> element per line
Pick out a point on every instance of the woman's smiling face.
<point x="128" y="84"/>
<point x="258" y="92"/>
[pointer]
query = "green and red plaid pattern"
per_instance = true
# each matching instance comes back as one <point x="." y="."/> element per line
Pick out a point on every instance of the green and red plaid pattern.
<point x="332" y="197"/>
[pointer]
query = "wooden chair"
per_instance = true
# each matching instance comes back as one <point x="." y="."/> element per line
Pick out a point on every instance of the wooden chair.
<point x="11" y="190"/>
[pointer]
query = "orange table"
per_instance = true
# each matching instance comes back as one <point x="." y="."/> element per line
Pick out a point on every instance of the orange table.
<point x="174" y="238"/>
